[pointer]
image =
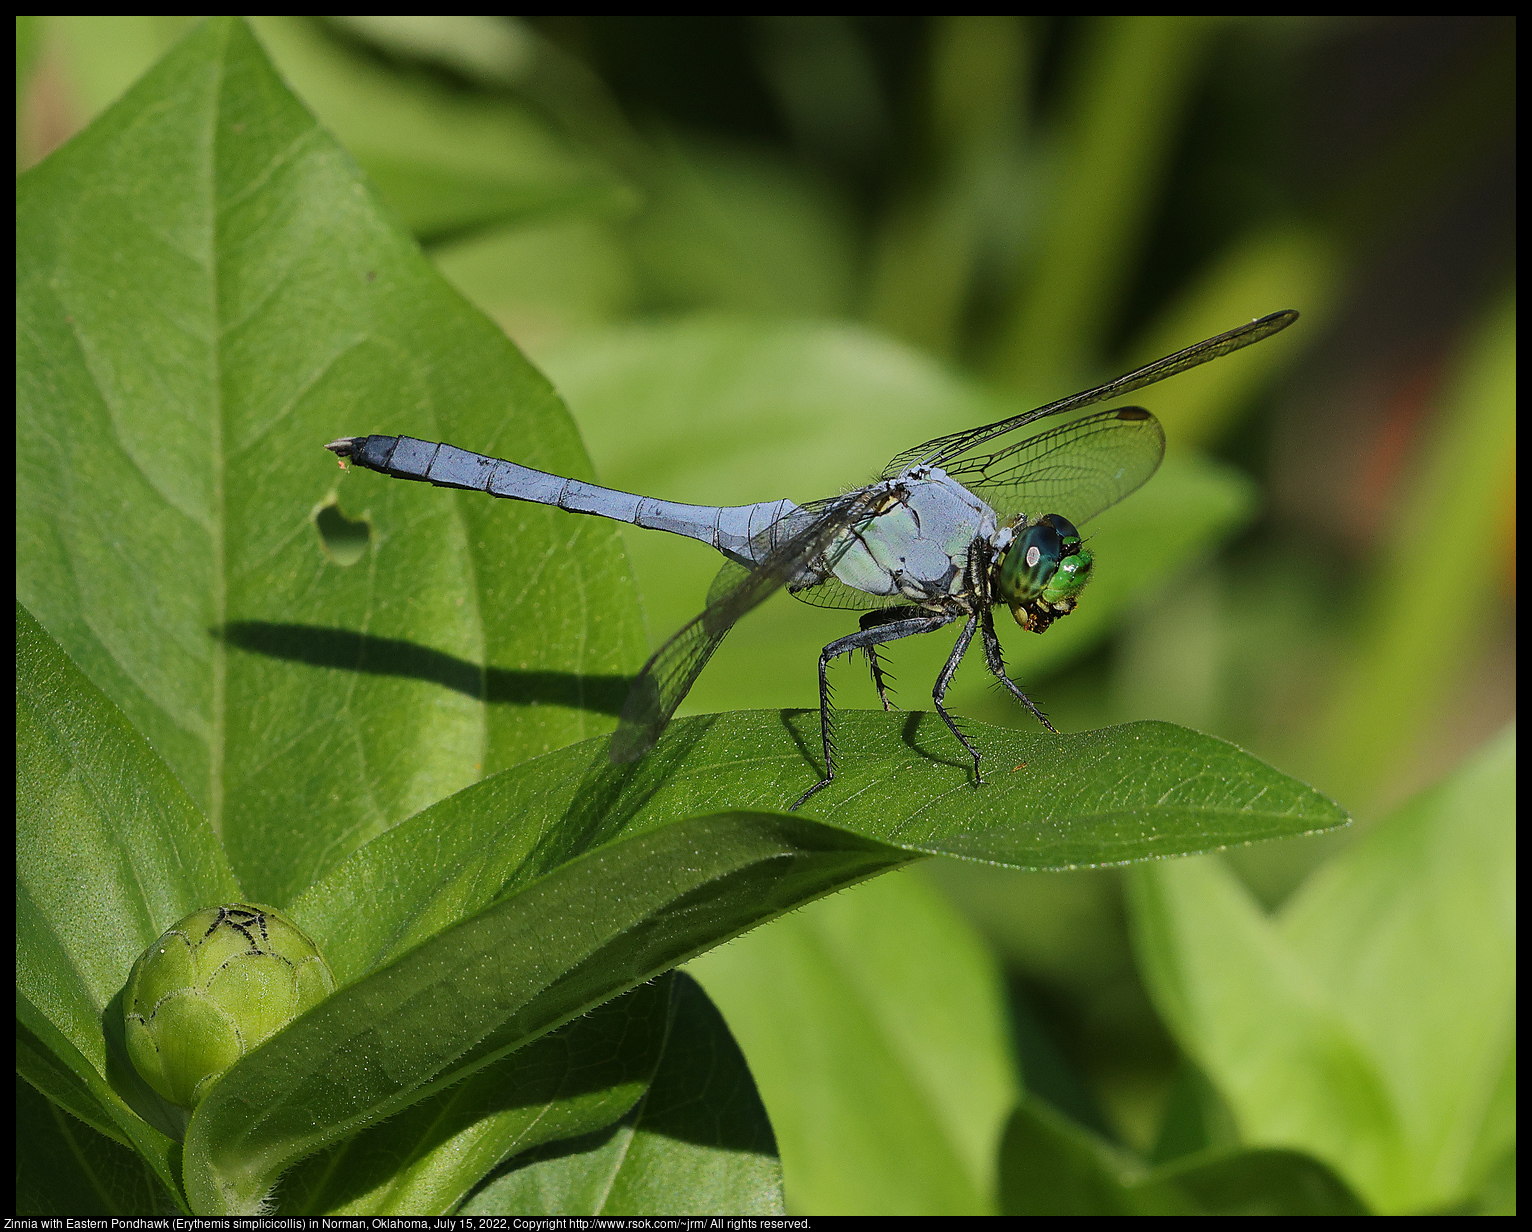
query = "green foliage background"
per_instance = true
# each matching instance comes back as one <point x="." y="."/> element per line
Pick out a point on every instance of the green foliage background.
<point x="756" y="258"/>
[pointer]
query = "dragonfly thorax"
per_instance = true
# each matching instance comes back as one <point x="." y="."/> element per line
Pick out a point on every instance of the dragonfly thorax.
<point x="1042" y="572"/>
<point x="917" y="546"/>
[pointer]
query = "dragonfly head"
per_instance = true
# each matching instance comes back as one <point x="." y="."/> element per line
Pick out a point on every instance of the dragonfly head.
<point x="1043" y="571"/>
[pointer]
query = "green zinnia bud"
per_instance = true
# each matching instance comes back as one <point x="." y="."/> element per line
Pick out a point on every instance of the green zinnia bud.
<point x="215" y="986"/>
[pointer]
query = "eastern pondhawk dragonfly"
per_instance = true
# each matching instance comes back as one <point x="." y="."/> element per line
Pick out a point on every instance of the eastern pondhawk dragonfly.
<point x="945" y="534"/>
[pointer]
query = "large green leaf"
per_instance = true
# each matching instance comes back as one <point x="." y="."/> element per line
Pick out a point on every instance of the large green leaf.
<point x="62" y="1166"/>
<point x="207" y="292"/>
<point x="1123" y="794"/>
<point x="574" y="1081"/>
<point x="1372" y="1023"/>
<point x="536" y="894"/>
<point x="1051" y="1166"/>
<point x="699" y="1142"/>
<point x="876" y="1026"/>
<point x="109" y="853"/>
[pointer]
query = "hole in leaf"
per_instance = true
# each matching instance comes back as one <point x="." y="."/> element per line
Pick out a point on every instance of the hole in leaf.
<point x="344" y="540"/>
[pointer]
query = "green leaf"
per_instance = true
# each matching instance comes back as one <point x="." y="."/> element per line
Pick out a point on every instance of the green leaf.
<point x="1371" y="1024"/>
<point x="109" y="853"/>
<point x="63" y="1169"/>
<point x="1051" y="1166"/>
<point x="45" y="1069"/>
<point x="532" y="960"/>
<point x="506" y="910"/>
<point x="698" y="1143"/>
<point x="1122" y="794"/>
<point x="207" y="292"/>
<point x="576" y="1080"/>
<point x="874" y="1022"/>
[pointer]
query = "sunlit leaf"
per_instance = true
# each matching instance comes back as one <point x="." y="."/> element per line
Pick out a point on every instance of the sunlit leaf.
<point x="876" y="1025"/>
<point x="1372" y="1023"/>
<point x="207" y="293"/>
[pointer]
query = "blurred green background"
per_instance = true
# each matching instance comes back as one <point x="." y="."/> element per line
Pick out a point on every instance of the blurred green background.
<point x="759" y="256"/>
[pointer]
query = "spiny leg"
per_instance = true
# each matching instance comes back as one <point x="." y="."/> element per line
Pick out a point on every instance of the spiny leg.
<point x="997" y="666"/>
<point x="888" y="631"/>
<point x="879" y="678"/>
<point x="872" y="620"/>
<point x="943" y="680"/>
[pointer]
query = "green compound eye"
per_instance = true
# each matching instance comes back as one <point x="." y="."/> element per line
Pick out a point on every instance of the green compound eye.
<point x="216" y="985"/>
<point x="1030" y="563"/>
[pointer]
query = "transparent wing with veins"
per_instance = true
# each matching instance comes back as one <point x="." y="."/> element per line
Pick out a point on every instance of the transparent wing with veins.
<point x="1078" y="469"/>
<point x="673" y="669"/>
<point x="942" y="450"/>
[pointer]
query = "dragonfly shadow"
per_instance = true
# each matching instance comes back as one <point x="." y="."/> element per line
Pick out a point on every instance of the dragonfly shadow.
<point x="802" y="726"/>
<point x="609" y="796"/>
<point x="345" y="650"/>
<point x="935" y="732"/>
<point x="802" y="729"/>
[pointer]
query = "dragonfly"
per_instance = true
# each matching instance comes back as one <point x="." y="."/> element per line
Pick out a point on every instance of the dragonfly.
<point x="949" y="531"/>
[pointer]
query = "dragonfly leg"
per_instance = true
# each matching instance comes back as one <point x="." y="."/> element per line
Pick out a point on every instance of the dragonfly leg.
<point x="891" y="629"/>
<point x="997" y="666"/>
<point x="879" y="680"/>
<point x="959" y="649"/>
<point x="871" y="620"/>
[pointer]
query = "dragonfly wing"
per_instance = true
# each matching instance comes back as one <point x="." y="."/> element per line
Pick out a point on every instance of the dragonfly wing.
<point x="834" y="593"/>
<point x="670" y="673"/>
<point x="943" y="449"/>
<point x="1078" y="469"/>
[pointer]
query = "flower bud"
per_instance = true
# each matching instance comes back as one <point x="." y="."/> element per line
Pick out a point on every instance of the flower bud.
<point x="215" y="986"/>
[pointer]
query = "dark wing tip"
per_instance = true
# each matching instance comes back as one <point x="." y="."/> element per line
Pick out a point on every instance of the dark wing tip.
<point x="1275" y="322"/>
<point x="345" y="446"/>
